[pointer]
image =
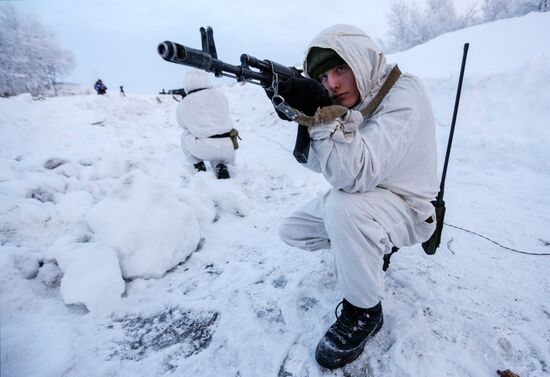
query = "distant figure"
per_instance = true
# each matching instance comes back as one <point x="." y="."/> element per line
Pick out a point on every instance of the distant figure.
<point x="122" y="94"/>
<point x="208" y="132"/>
<point x="100" y="88"/>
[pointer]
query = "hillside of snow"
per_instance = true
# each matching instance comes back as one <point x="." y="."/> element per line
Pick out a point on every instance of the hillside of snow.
<point x="118" y="259"/>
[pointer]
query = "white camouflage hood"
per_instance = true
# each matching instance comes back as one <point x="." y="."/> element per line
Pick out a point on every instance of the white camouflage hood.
<point x="365" y="58"/>
<point x="196" y="79"/>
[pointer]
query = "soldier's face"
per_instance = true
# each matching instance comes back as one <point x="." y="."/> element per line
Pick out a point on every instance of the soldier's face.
<point x="341" y="85"/>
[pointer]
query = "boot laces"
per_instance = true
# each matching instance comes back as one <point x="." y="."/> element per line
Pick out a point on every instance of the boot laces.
<point x="347" y="322"/>
<point x="346" y="314"/>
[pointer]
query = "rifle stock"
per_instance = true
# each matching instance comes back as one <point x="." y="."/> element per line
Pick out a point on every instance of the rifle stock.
<point x="251" y="69"/>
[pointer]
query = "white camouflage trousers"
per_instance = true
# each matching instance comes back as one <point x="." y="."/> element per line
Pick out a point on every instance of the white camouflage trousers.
<point x="215" y="150"/>
<point x="359" y="228"/>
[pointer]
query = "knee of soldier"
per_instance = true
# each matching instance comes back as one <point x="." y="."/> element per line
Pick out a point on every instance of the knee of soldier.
<point x="302" y="237"/>
<point x="287" y="232"/>
<point x="342" y="207"/>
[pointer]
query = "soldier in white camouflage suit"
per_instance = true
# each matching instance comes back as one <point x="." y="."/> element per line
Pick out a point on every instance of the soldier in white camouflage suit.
<point x="383" y="172"/>
<point x="205" y="119"/>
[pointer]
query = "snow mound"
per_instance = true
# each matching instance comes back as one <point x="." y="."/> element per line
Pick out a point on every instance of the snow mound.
<point x="149" y="227"/>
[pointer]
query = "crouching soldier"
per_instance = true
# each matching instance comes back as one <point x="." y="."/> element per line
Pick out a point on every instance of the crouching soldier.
<point x="208" y="133"/>
<point x="382" y="165"/>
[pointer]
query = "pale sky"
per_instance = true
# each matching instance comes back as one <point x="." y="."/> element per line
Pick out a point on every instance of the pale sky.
<point x="117" y="40"/>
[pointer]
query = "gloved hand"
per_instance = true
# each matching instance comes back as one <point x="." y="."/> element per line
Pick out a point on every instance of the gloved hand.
<point x="340" y="130"/>
<point x="302" y="94"/>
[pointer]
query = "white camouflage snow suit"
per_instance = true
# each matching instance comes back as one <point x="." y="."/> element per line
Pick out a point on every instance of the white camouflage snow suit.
<point x="202" y="113"/>
<point x="383" y="171"/>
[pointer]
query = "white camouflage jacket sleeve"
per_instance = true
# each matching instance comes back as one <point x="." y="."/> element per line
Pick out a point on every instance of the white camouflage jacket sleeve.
<point x="394" y="148"/>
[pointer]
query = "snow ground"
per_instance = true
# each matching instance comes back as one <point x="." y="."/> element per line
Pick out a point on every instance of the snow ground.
<point x="96" y="199"/>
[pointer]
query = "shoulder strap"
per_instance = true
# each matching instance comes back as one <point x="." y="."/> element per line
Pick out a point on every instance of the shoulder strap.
<point x="386" y="86"/>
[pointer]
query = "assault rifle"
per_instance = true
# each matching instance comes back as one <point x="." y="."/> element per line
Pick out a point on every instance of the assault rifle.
<point x="175" y="92"/>
<point x="266" y="73"/>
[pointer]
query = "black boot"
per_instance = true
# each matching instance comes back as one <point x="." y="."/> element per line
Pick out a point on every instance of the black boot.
<point x="199" y="166"/>
<point x="221" y="171"/>
<point x="345" y="339"/>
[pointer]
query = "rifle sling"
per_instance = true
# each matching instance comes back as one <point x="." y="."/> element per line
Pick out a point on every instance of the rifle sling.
<point x="388" y="84"/>
<point x="219" y="136"/>
<point x="233" y="134"/>
<point x="329" y="113"/>
<point x="196" y="90"/>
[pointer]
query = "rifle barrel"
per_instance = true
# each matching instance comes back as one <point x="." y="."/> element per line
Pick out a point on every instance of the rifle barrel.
<point x="179" y="54"/>
<point x="207" y="60"/>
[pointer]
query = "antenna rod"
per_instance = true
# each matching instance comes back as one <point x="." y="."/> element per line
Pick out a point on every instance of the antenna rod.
<point x="455" y="112"/>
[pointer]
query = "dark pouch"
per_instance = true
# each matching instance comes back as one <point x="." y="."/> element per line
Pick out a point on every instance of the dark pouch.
<point x="431" y="245"/>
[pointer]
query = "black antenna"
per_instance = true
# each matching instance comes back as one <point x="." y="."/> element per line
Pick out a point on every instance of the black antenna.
<point x="453" y="122"/>
<point x="431" y="245"/>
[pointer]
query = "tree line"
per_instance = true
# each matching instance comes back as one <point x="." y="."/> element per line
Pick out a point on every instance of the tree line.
<point x="410" y="24"/>
<point x="31" y="59"/>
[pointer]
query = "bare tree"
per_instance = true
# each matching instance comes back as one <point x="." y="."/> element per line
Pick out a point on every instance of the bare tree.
<point x="469" y="17"/>
<point x="409" y="26"/>
<point x="442" y="17"/>
<point x="32" y="59"/>
<point x="405" y="25"/>
<point x="495" y="9"/>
